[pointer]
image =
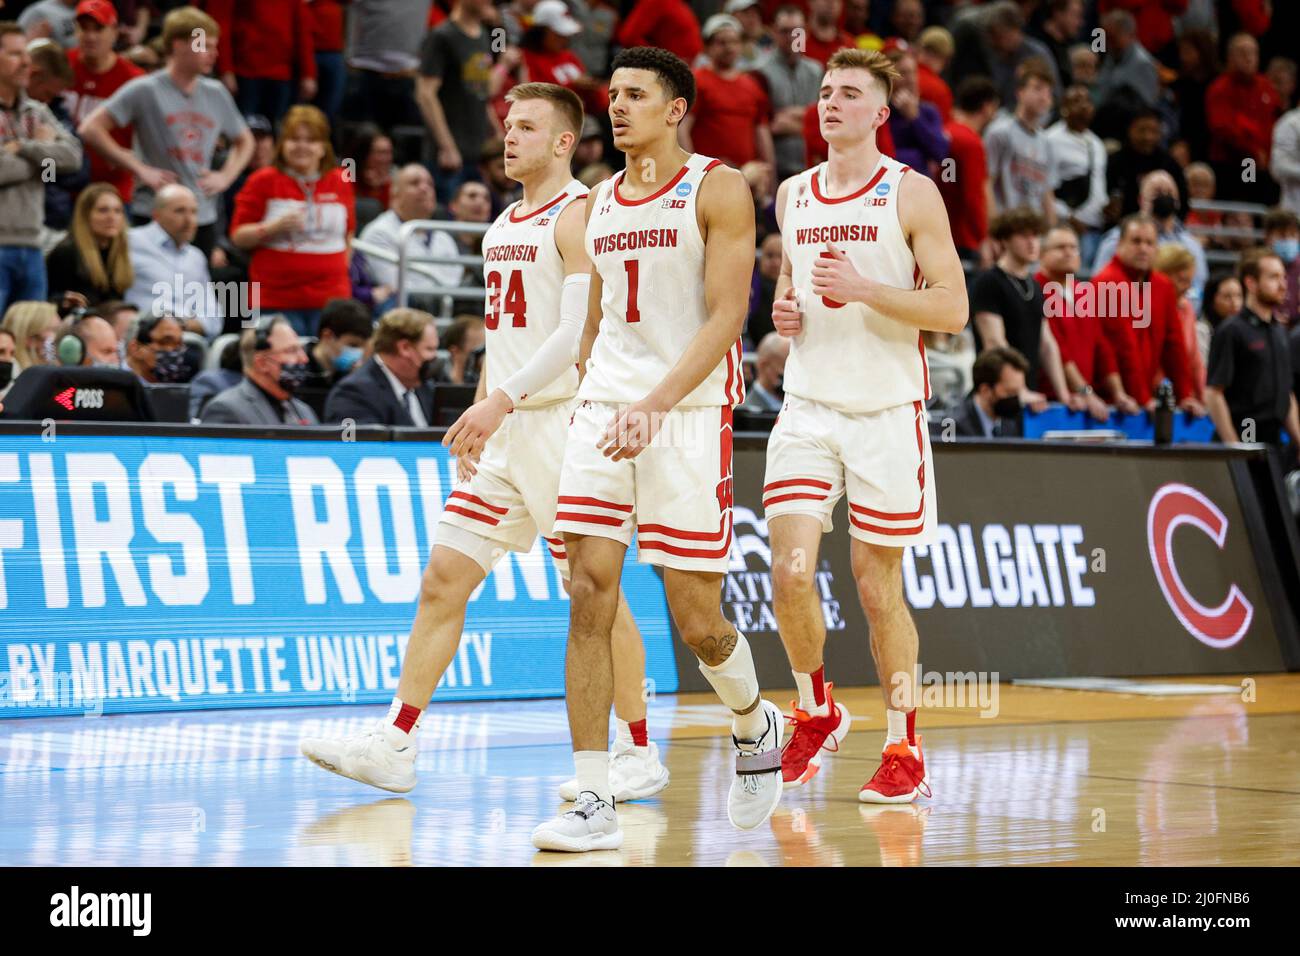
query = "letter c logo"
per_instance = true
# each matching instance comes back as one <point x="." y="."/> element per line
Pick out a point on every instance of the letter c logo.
<point x="1174" y="505"/>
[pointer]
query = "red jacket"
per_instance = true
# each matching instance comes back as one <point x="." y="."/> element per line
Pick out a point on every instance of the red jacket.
<point x="1241" y="112"/>
<point x="963" y="192"/>
<point x="934" y="91"/>
<point x="325" y="20"/>
<point x="1078" y="333"/>
<point x="1155" y="18"/>
<point x="273" y="40"/>
<point x="664" y="23"/>
<point x="1154" y="351"/>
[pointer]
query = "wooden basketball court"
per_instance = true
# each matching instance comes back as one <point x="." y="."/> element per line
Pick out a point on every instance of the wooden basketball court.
<point x="1056" y="777"/>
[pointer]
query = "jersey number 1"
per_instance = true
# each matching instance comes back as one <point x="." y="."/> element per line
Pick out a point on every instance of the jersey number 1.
<point x="515" y="303"/>
<point x="633" y="268"/>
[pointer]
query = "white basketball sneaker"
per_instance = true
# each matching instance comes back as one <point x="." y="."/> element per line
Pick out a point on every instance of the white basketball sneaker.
<point x="634" y="773"/>
<point x="757" y="788"/>
<point x="374" y="757"/>
<point x="591" y="825"/>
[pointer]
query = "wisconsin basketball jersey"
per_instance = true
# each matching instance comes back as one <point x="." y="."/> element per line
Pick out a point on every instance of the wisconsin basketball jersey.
<point x="524" y="273"/>
<point x="650" y="257"/>
<point x="848" y="356"/>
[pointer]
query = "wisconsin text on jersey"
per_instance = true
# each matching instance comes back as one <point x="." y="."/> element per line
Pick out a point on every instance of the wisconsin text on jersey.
<point x="512" y="252"/>
<point x="636" y="239"/>
<point x="822" y="234"/>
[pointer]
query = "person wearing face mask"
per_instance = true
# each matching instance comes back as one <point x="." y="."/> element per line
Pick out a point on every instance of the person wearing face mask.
<point x="992" y="409"/>
<point x="765" y="393"/>
<point x="1158" y="197"/>
<point x="1282" y="236"/>
<point x="345" y="329"/>
<point x="393" y="387"/>
<point x="7" y="370"/>
<point x="155" y="350"/>
<point x="275" y="366"/>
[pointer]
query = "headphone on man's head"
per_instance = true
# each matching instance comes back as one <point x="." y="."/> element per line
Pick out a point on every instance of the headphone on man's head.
<point x="262" y="331"/>
<point x="71" y="348"/>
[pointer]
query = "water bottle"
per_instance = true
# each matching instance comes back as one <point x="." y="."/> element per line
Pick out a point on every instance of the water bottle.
<point x="1163" y="416"/>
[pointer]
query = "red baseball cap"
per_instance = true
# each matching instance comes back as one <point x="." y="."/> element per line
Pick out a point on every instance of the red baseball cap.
<point x="101" y="11"/>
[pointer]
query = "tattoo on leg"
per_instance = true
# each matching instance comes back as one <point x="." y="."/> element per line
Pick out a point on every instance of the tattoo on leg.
<point x="714" y="650"/>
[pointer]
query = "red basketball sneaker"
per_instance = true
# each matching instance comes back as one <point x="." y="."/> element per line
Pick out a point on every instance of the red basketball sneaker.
<point x="900" y="778"/>
<point x="801" y="759"/>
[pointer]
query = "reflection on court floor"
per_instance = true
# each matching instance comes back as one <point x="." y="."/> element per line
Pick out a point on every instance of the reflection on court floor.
<point x="1057" y="778"/>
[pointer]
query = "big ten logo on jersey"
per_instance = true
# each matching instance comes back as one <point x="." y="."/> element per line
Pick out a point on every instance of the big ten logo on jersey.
<point x="882" y="196"/>
<point x="683" y="190"/>
<point x="550" y="214"/>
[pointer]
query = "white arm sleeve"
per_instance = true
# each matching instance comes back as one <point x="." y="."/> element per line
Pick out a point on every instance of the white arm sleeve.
<point x="560" y="350"/>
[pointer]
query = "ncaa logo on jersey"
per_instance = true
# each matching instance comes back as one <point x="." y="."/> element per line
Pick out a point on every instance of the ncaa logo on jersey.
<point x="553" y="210"/>
<point x="684" y="190"/>
<point x="882" y="194"/>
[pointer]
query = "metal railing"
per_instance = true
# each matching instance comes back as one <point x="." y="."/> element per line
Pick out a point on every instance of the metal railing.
<point x="409" y="264"/>
<point x="407" y="260"/>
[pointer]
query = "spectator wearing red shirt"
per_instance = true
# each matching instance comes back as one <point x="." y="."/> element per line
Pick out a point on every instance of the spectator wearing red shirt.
<point x="297" y="218"/>
<point x="1069" y="304"/>
<point x="669" y="24"/>
<point x="824" y="35"/>
<point x="1241" y="107"/>
<point x="1138" y="308"/>
<point x="259" y="60"/>
<point x="933" y="54"/>
<point x="962" y="182"/>
<point x="325" y="23"/>
<point x="98" y="73"/>
<point x="548" y="59"/>
<point x="731" y="114"/>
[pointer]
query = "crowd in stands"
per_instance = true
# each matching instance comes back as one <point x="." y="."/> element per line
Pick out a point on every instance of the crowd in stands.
<point x="1122" y="179"/>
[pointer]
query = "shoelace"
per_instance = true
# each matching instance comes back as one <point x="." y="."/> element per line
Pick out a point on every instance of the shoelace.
<point x="807" y="740"/>
<point x="586" y="809"/>
<point x="893" y="762"/>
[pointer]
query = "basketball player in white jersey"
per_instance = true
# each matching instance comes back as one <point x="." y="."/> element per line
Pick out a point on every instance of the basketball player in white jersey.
<point x="671" y="240"/>
<point x="868" y="265"/>
<point x="509" y="448"/>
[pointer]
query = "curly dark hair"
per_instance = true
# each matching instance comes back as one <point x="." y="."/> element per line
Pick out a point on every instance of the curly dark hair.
<point x="673" y="72"/>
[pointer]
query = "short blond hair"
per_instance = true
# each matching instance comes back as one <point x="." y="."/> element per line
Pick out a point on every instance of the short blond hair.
<point x="398" y="325"/>
<point x="181" y="23"/>
<point x="938" y="41"/>
<point x="873" y="61"/>
<point x="1173" y="257"/>
<point x="566" y="102"/>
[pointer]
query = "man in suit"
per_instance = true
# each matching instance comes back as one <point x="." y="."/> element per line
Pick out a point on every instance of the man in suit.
<point x="275" y="365"/>
<point x="992" y="409"/>
<point x="395" y="386"/>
